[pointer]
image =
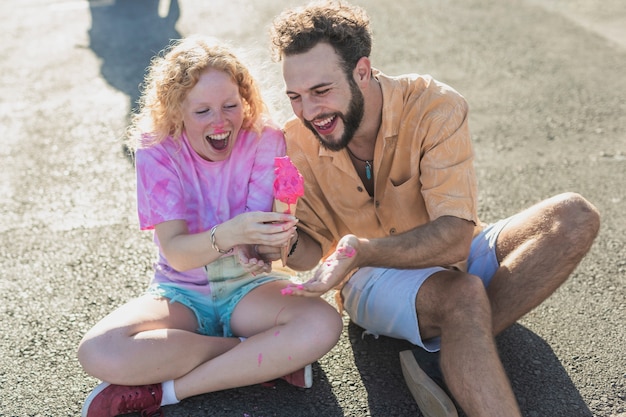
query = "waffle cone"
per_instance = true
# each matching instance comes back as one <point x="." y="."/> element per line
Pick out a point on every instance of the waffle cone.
<point x="282" y="207"/>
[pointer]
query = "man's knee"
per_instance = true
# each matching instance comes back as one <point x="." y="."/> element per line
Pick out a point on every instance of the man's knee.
<point x="577" y="220"/>
<point x="460" y="298"/>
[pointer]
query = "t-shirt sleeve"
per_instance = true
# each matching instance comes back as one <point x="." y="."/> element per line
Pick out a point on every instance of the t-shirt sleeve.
<point x="261" y="184"/>
<point x="160" y="194"/>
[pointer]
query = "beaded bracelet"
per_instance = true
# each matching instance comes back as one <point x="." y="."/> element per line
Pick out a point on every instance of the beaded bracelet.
<point x="213" y="244"/>
<point x="293" y="247"/>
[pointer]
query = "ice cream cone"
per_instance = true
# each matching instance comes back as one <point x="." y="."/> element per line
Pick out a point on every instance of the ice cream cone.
<point x="288" y="187"/>
<point x="282" y="207"/>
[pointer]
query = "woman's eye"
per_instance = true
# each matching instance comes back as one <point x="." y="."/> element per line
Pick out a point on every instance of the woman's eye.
<point x="202" y="111"/>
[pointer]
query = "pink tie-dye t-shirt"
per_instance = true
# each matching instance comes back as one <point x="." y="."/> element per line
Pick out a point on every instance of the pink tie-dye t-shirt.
<point x="174" y="183"/>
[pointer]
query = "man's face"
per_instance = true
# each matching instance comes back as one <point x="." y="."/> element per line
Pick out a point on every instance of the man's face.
<point x="322" y="97"/>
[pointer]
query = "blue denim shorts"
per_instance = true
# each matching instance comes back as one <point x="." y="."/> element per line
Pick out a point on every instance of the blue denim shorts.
<point x="228" y="283"/>
<point x="382" y="300"/>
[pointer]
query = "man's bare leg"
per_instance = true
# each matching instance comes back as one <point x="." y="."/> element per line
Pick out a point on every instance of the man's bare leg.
<point x="537" y="251"/>
<point x="455" y="306"/>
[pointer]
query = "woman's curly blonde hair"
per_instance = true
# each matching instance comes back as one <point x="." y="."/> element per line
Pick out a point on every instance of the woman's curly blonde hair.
<point x="175" y="71"/>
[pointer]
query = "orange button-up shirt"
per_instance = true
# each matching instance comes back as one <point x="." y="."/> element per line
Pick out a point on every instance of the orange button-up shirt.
<point x="423" y="167"/>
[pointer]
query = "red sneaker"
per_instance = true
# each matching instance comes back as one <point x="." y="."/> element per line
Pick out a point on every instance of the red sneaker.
<point x="302" y="378"/>
<point x="108" y="400"/>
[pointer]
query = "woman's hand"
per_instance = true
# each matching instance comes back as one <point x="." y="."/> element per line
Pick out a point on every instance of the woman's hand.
<point x="248" y="232"/>
<point x="274" y="253"/>
<point x="256" y="228"/>
<point x="184" y="250"/>
<point x="251" y="260"/>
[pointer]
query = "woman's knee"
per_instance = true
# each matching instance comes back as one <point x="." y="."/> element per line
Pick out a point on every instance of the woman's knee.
<point x="88" y="356"/>
<point x="98" y="358"/>
<point x="330" y="321"/>
<point x="323" y="323"/>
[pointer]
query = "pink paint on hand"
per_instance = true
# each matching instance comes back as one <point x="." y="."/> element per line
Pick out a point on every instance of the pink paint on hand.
<point x="347" y="251"/>
<point x="277" y="332"/>
<point x="331" y="262"/>
<point x="288" y="290"/>
<point x="289" y="183"/>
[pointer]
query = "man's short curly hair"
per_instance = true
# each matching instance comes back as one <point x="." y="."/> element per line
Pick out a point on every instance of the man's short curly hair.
<point x="345" y="27"/>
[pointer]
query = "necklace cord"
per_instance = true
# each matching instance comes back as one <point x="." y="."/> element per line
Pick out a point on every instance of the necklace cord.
<point x="368" y="164"/>
<point x="356" y="157"/>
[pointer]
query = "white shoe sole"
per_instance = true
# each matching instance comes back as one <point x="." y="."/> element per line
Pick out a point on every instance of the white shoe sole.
<point x="308" y="376"/>
<point x="431" y="399"/>
<point x="97" y="390"/>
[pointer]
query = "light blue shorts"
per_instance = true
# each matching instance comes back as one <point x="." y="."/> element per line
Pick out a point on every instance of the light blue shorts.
<point x="382" y="300"/>
<point x="228" y="283"/>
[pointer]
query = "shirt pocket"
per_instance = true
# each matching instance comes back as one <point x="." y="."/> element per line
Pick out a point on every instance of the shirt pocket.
<point x="403" y="205"/>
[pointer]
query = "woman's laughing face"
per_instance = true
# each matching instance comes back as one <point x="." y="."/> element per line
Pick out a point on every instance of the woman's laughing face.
<point x="213" y="114"/>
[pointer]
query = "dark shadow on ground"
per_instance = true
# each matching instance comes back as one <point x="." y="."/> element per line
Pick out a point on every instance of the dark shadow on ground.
<point x="275" y="399"/>
<point x="125" y="35"/>
<point x="542" y="386"/>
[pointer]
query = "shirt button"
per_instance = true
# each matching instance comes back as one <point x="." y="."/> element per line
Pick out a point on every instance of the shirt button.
<point x="359" y="189"/>
<point x="392" y="230"/>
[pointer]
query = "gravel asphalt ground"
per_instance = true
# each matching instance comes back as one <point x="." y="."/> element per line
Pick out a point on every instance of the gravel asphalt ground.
<point x="546" y="84"/>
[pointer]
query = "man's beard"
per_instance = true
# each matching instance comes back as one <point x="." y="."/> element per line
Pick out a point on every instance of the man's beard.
<point x="351" y="120"/>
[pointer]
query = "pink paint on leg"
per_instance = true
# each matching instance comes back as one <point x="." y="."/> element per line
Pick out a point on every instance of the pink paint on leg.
<point x="260" y="359"/>
<point x="277" y="332"/>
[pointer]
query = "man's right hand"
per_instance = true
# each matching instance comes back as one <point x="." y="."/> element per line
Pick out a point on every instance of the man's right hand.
<point x="333" y="269"/>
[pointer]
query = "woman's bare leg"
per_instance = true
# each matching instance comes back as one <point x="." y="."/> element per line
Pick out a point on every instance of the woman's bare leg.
<point x="152" y="340"/>
<point x="284" y="334"/>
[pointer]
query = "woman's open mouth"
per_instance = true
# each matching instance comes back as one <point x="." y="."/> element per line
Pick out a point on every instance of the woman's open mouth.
<point x="219" y="141"/>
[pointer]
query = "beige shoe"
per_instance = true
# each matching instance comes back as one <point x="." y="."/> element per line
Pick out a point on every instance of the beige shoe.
<point x="430" y="397"/>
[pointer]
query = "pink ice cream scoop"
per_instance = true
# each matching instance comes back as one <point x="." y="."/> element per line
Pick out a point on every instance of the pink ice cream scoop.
<point x="288" y="187"/>
<point x="289" y="184"/>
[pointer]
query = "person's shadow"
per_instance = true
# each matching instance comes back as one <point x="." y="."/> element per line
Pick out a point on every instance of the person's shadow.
<point x="540" y="383"/>
<point x="125" y="35"/>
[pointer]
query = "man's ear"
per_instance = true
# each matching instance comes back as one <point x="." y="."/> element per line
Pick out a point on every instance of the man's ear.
<point x="362" y="71"/>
